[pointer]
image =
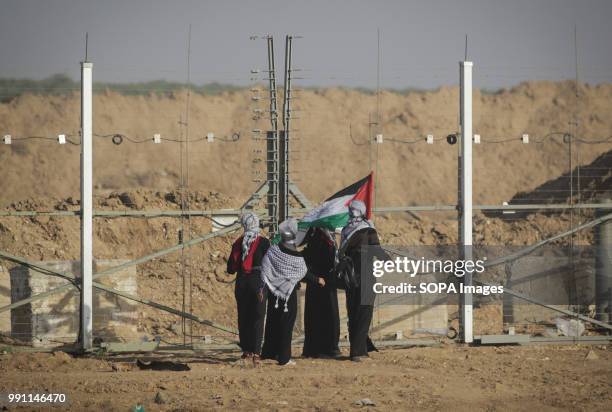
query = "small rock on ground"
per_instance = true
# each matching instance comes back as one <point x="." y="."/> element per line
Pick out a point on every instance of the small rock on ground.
<point x="365" y="402"/>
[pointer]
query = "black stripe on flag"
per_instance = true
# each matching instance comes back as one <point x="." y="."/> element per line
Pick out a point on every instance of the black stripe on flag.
<point x="350" y="190"/>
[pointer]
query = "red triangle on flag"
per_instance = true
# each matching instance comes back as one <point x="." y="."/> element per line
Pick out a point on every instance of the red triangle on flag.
<point x="365" y="194"/>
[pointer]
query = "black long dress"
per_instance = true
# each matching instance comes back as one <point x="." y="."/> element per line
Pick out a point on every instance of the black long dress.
<point x="321" y="317"/>
<point x="251" y="311"/>
<point x="279" y="324"/>
<point x="361" y="307"/>
<point x="279" y="329"/>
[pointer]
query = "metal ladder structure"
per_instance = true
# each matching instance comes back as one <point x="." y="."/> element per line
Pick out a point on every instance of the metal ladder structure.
<point x="284" y="152"/>
<point x="278" y="180"/>
<point x="273" y="175"/>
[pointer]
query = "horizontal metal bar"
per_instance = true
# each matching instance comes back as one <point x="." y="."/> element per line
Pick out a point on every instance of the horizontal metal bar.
<point x="424" y="208"/>
<point x="113" y="269"/>
<point x="237" y="212"/>
<point x="130" y="213"/>
<point x="503" y="339"/>
<point x="342" y="344"/>
<point x="136" y="346"/>
<point x="555" y="340"/>
<point x="172" y="213"/>
<point x="70" y="277"/>
<point x="28" y="213"/>
<point x="445" y="208"/>
<point x="600" y="340"/>
<point x="546" y="206"/>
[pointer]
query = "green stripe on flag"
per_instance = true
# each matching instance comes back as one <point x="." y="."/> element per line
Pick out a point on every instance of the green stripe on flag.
<point x="330" y="222"/>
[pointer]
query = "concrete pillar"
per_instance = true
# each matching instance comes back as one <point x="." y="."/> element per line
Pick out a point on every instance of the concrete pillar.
<point x="86" y="206"/>
<point x="465" y="204"/>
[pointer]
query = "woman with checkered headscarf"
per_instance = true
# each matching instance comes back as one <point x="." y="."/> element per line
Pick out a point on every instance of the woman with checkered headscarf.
<point x="245" y="260"/>
<point x="282" y="268"/>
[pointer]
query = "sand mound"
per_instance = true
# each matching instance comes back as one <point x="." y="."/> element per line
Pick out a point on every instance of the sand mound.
<point x="326" y="156"/>
<point x="42" y="175"/>
<point x="55" y="362"/>
<point x="161" y="280"/>
<point x="594" y="181"/>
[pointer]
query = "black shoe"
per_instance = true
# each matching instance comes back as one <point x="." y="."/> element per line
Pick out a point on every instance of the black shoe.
<point x="355" y="358"/>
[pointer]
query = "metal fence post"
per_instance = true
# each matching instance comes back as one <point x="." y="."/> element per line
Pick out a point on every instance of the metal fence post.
<point x="465" y="206"/>
<point x="603" y="268"/>
<point x="86" y="207"/>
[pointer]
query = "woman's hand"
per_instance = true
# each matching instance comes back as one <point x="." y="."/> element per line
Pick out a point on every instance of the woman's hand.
<point x="321" y="282"/>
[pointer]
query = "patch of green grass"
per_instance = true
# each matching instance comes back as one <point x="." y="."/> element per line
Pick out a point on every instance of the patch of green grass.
<point x="54" y="85"/>
<point x="60" y="84"/>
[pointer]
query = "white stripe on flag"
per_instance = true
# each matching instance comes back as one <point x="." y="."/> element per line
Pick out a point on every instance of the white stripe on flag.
<point x="329" y="208"/>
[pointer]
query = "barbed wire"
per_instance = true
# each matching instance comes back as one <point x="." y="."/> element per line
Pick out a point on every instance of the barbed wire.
<point x="118" y="138"/>
<point x="452" y="139"/>
<point x="16" y="139"/>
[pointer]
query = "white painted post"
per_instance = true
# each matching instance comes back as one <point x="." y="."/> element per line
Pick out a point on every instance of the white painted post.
<point x="465" y="73"/>
<point x="86" y="207"/>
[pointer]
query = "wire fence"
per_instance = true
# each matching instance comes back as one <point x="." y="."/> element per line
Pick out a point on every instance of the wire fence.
<point x="174" y="168"/>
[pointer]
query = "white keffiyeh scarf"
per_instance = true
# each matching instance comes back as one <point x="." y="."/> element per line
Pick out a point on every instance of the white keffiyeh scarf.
<point x="281" y="272"/>
<point x="357" y="221"/>
<point x="354" y="225"/>
<point x="250" y="224"/>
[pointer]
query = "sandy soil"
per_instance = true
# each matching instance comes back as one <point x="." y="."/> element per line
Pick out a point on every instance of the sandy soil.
<point x="406" y="173"/>
<point x="447" y="377"/>
<point x="57" y="238"/>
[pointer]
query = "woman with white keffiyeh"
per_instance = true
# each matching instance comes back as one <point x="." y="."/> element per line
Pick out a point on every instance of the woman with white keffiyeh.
<point x="355" y="237"/>
<point x="245" y="260"/>
<point x="282" y="268"/>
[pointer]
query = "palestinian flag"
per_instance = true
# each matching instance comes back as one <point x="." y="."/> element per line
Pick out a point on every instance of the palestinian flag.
<point x="333" y="212"/>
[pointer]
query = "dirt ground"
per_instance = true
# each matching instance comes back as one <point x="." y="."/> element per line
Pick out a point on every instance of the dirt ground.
<point x="428" y="378"/>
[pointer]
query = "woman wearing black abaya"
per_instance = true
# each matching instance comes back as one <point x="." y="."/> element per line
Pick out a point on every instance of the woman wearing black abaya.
<point x="321" y="318"/>
<point x="357" y="234"/>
